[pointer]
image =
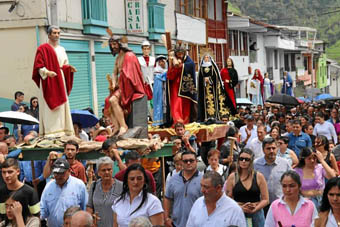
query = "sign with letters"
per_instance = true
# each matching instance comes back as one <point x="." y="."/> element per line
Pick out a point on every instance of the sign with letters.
<point x="134" y="16"/>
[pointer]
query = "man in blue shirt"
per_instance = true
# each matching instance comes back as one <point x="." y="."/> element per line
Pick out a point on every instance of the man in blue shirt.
<point x="63" y="192"/>
<point x="272" y="167"/>
<point x="26" y="174"/>
<point x="182" y="191"/>
<point x="298" y="139"/>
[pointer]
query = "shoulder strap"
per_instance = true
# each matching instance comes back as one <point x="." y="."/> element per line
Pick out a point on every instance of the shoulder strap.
<point x="236" y="177"/>
<point x="93" y="188"/>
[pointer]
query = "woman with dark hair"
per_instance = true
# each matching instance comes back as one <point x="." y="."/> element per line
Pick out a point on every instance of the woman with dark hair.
<point x="329" y="215"/>
<point x="34" y="107"/>
<point x="324" y="128"/>
<point x="275" y="133"/>
<point x="248" y="188"/>
<point x="312" y="174"/>
<point x="322" y="145"/>
<point x="225" y="148"/>
<point x="308" y="128"/>
<point x="135" y="200"/>
<point x="291" y="209"/>
<point x="335" y="120"/>
<point x="18" y="214"/>
<point x="304" y="120"/>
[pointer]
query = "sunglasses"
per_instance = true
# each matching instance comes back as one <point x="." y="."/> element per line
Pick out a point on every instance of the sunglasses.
<point x="188" y="160"/>
<point x="241" y="159"/>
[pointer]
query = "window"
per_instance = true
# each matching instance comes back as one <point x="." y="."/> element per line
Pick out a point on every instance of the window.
<point x="211" y="9"/>
<point x="218" y="53"/>
<point x="233" y="43"/>
<point x="292" y="62"/>
<point x="215" y="9"/>
<point x="180" y="6"/>
<point x="218" y="10"/>
<point x="305" y="62"/>
<point x="94" y="16"/>
<point x="193" y="55"/>
<point x="243" y="44"/>
<point x="286" y="59"/>
<point x="236" y="43"/>
<point x="195" y="8"/>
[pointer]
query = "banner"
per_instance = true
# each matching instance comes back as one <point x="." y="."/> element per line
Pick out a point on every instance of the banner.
<point x="321" y="75"/>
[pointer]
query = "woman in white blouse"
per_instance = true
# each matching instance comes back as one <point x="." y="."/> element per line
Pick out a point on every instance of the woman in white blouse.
<point x="330" y="205"/>
<point x="135" y="200"/>
<point x="324" y="128"/>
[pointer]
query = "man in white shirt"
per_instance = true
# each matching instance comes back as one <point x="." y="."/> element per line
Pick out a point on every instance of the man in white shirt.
<point x="214" y="208"/>
<point x="248" y="131"/>
<point x="256" y="143"/>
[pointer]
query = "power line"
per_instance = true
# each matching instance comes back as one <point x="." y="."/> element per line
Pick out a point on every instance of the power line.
<point x="335" y="11"/>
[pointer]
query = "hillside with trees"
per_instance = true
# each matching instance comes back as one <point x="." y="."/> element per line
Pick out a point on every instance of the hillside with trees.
<point x="324" y="15"/>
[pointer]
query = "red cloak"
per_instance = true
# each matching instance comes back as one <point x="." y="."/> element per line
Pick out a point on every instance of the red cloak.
<point x="130" y="81"/>
<point x="53" y="87"/>
<point x="131" y="85"/>
<point x="227" y="86"/>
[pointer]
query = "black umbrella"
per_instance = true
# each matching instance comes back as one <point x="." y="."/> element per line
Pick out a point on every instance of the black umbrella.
<point x="283" y="99"/>
<point x="334" y="99"/>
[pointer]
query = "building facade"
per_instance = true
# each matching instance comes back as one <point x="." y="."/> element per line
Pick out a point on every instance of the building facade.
<point x="83" y="24"/>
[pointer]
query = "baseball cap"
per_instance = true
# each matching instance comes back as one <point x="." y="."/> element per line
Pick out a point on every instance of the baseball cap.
<point x="60" y="165"/>
<point x="249" y="117"/>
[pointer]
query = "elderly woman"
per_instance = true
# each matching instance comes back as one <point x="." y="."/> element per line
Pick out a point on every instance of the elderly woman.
<point x="103" y="192"/>
<point x="213" y="160"/>
<point x="330" y="205"/>
<point x="292" y="209"/>
<point x="135" y="200"/>
<point x="248" y="188"/>
<point x="312" y="174"/>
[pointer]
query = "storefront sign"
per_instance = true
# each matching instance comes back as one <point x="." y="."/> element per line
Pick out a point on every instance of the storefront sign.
<point x="134" y="16"/>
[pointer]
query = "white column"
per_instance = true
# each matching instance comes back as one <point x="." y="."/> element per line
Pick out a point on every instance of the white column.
<point x="93" y="78"/>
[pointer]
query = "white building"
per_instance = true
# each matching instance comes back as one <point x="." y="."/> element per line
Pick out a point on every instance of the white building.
<point x="83" y="24"/>
<point x="274" y="49"/>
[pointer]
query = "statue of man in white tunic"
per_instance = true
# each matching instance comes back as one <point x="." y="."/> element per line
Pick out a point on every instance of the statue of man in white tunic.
<point x="54" y="76"/>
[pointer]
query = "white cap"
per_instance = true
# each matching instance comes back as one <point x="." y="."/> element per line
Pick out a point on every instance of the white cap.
<point x="146" y="43"/>
<point x="230" y="124"/>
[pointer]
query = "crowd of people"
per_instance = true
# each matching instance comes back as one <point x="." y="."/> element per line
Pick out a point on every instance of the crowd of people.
<point x="276" y="166"/>
<point x="265" y="172"/>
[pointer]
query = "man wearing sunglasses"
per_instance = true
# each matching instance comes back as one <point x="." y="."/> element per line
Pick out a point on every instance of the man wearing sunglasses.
<point x="182" y="191"/>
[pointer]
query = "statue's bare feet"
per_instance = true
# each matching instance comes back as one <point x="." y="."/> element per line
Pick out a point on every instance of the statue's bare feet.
<point x="114" y="130"/>
<point x="122" y="131"/>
